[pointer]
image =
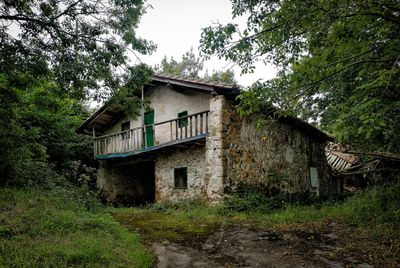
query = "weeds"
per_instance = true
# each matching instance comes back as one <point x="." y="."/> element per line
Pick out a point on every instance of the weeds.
<point x="63" y="228"/>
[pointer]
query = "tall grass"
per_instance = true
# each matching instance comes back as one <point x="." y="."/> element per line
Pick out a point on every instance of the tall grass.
<point x="379" y="205"/>
<point x="61" y="228"/>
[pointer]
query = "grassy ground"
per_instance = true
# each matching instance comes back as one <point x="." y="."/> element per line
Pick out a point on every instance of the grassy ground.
<point x="63" y="229"/>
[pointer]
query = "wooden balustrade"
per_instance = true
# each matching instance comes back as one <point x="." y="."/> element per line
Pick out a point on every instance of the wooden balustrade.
<point x="135" y="139"/>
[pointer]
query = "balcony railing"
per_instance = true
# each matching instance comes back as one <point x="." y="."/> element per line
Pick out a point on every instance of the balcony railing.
<point x="152" y="135"/>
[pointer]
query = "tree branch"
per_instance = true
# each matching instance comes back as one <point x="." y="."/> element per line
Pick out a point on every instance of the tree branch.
<point x="68" y="9"/>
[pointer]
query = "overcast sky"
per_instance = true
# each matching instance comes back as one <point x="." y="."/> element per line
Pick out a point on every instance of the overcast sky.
<point x="175" y="26"/>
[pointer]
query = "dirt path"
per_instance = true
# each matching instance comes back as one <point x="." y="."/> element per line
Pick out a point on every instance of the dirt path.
<point x="245" y="246"/>
<point x="191" y="241"/>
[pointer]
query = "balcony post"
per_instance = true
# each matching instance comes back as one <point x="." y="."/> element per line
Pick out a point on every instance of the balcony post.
<point x="94" y="142"/>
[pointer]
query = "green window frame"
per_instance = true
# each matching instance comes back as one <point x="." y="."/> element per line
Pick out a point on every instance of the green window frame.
<point x="183" y="122"/>
<point x="180" y="178"/>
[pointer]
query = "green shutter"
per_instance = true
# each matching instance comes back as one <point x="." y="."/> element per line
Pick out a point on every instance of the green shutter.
<point x="148" y="121"/>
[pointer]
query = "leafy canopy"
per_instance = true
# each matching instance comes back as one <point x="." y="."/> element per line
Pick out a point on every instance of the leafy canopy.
<point x="85" y="43"/>
<point x="53" y="55"/>
<point x="192" y="66"/>
<point x="338" y="60"/>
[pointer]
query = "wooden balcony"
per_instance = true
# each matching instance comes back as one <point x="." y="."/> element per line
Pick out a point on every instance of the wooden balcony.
<point x="153" y="136"/>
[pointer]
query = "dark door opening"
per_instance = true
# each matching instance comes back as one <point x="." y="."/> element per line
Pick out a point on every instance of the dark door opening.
<point x="135" y="182"/>
<point x="149" y="181"/>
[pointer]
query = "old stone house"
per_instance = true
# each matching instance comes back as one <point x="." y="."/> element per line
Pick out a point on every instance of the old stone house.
<point x="191" y="143"/>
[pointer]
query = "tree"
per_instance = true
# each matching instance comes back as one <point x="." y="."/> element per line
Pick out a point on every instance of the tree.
<point x="227" y="76"/>
<point x="53" y="55"/>
<point x="37" y="137"/>
<point x="338" y="61"/>
<point x="85" y="43"/>
<point x="191" y="66"/>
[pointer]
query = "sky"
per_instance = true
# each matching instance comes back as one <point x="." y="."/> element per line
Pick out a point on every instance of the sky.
<point x="175" y="26"/>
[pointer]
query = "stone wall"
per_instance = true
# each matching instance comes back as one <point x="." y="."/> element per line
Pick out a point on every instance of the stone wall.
<point x="215" y="153"/>
<point x="274" y="157"/>
<point x="194" y="159"/>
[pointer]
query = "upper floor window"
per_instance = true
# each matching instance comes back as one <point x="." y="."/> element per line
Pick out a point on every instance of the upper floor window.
<point x="125" y="126"/>
<point x="182" y="122"/>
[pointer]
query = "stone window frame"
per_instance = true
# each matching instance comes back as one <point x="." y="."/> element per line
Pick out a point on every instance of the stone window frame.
<point x="180" y="178"/>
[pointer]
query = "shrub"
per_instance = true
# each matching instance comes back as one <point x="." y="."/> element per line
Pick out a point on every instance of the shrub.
<point x="249" y="198"/>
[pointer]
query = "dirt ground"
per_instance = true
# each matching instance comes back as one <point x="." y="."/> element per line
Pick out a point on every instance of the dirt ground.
<point x="246" y="246"/>
<point x="200" y="240"/>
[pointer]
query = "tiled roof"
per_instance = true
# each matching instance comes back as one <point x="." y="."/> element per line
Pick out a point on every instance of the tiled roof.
<point x="194" y="81"/>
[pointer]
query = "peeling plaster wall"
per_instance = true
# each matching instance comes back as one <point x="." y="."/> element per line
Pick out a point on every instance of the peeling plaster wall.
<point x="194" y="159"/>
<point x="167" y="103"/>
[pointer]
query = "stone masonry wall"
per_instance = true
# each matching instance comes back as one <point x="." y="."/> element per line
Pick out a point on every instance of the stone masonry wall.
<point x="215" y="151"/>
<point x="274" y="157"/>
<point x="194" y="159"/>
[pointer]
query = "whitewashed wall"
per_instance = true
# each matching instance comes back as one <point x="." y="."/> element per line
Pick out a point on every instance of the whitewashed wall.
<point x="167" y="103"/>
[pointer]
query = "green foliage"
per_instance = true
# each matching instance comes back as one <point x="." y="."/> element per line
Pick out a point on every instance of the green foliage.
<point x="55" y="55"/>
<point x="221" y="76"/>
<point x="379" y="205"/>
<point x="252" y="199"/>
<point x="191" y="66"/>
<point x="338" y="63"/>
<point x="63" y="228"/>
<point x="39" y="130"/>
<point x="373" y="207"/>
<point x="85" y="44"/>
<point x="128" y="95"/>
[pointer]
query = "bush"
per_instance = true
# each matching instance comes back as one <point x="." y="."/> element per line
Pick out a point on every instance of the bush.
<point x="248" y="198"/>
<point x="380" y="204"/>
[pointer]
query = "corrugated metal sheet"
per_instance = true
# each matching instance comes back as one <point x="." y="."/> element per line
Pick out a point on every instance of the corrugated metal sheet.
<point x="340" y="161"/>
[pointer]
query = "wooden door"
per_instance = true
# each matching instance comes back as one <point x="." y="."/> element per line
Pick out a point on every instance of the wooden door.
<point x="148" y="122"/>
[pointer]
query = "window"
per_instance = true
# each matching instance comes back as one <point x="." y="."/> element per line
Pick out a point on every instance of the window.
<point x="125" y="126"/>
<point x="180" y="178"/>
<point x="183" y="122"/>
